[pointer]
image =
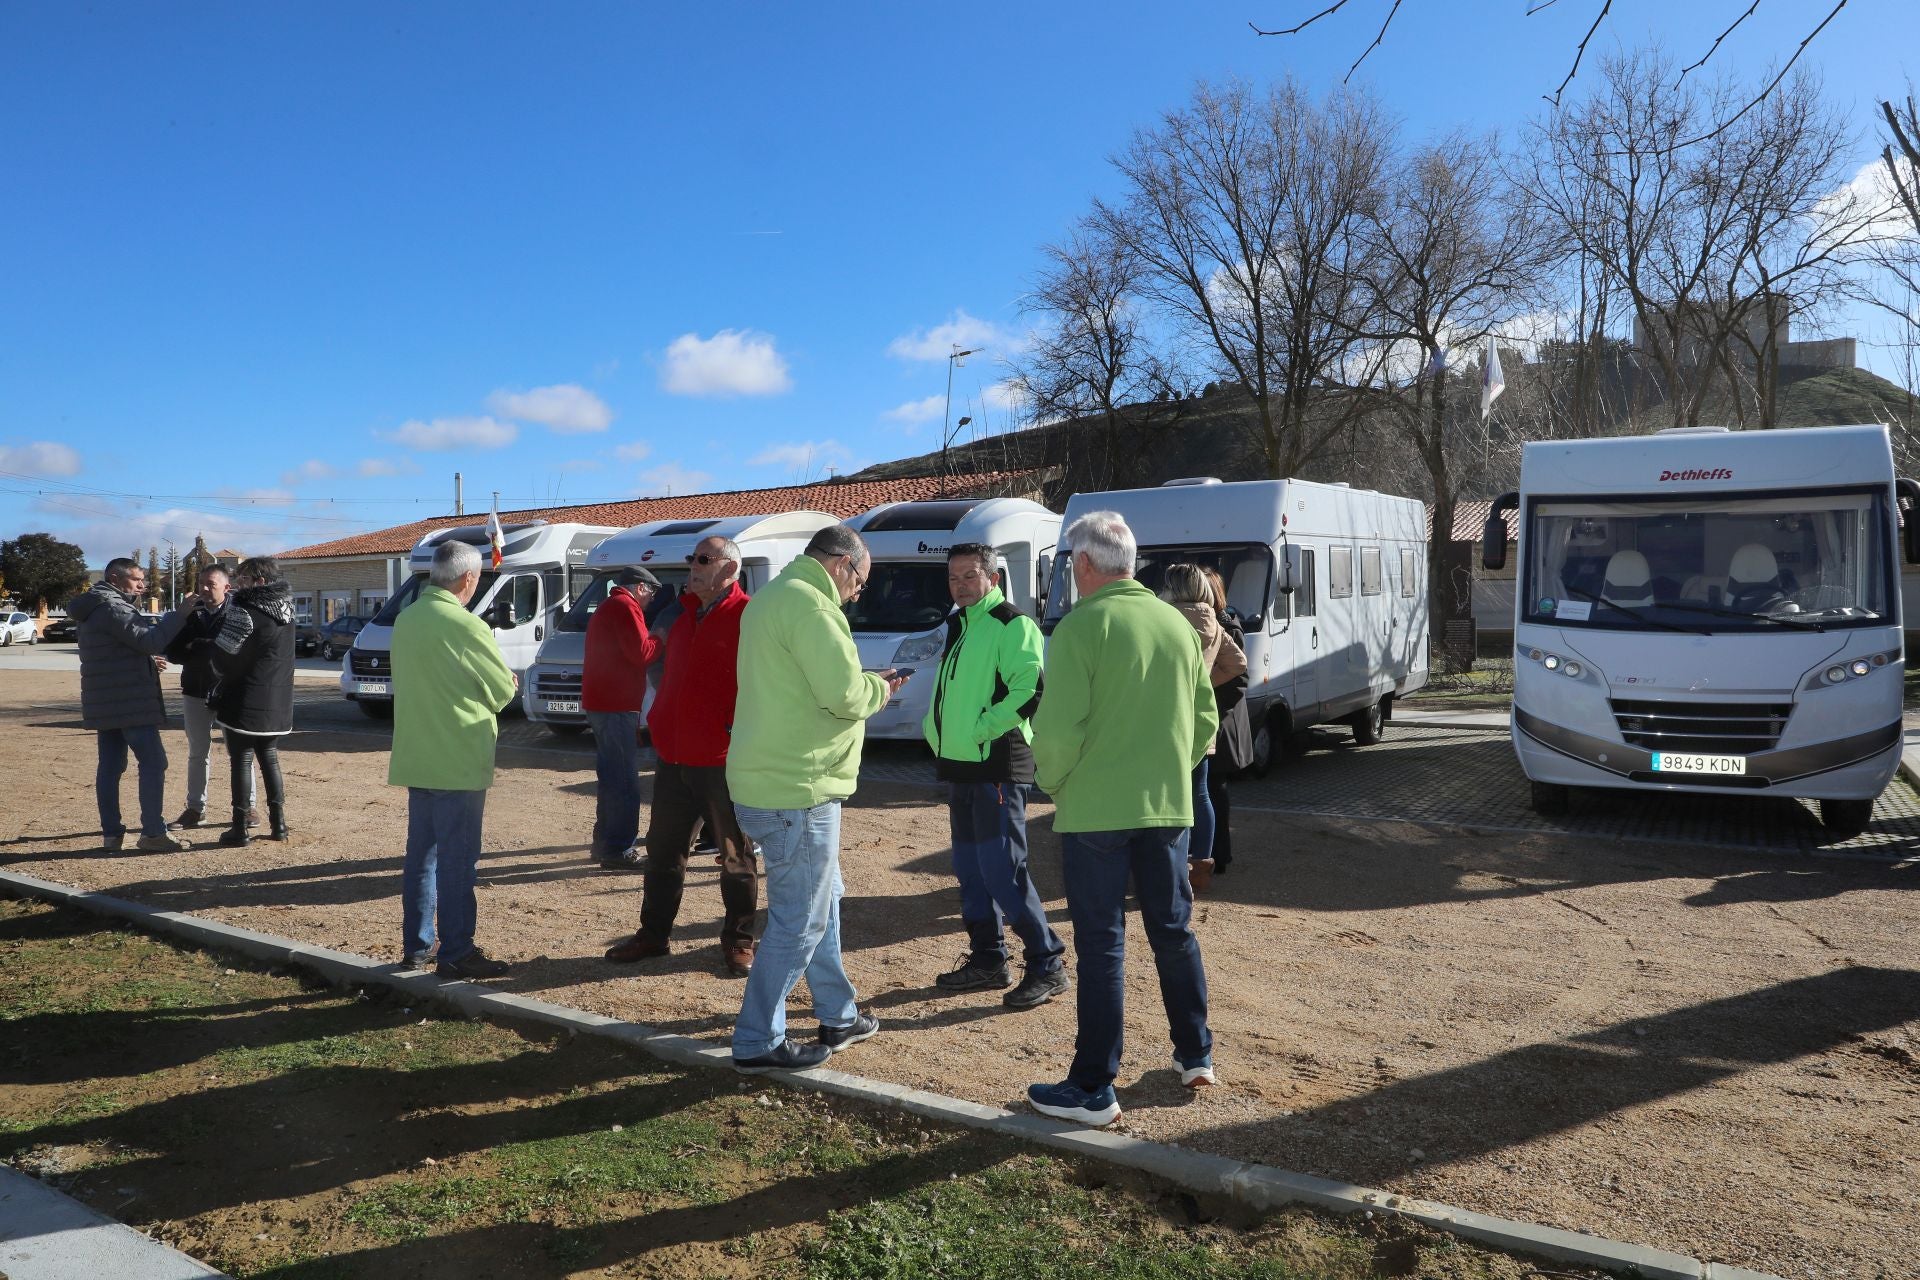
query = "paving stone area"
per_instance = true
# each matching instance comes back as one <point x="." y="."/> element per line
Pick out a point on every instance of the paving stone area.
<point x="1459" y="777"/>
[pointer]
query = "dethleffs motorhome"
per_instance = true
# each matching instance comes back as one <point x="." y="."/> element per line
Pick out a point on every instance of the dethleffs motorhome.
<point x="899" y="620"/>
<point x="1708" y="611"/>
<point x="1330" y="583"/>
<point x="767" y="544"/>
<point x="520" y="600"/>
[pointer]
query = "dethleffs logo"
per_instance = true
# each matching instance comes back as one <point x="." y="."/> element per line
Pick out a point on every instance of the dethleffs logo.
<point x="1700" y="473"/>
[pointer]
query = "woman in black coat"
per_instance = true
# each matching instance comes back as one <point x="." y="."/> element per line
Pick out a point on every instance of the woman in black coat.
<point x="253" y="701"/>
<point x="1233" y="744"/>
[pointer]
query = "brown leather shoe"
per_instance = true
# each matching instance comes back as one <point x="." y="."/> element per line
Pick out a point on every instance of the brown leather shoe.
<point x="188" y="819"/>
<point x="638" y="947"/>
<point x="253" y="817"/>
<point x="737" y="960"/>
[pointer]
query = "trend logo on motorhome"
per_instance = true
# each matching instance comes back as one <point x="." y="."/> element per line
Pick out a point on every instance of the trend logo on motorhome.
<point x="1715" y="473"/>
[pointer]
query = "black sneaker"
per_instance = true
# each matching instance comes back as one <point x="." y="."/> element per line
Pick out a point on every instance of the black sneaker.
<point x="787" y="1057"/>
<point x="973" y="976"/>
<point x="474" y="965"/>
<point x="1036" y="989"/>
<point x="631" y="859"/>
<point x="863" y="1027"/>
<point x="417" y="960"/>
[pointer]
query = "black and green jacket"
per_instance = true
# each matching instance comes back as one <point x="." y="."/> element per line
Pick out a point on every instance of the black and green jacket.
<point x="988" y="687"/>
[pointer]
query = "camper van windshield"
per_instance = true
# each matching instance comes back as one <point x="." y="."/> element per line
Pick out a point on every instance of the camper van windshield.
<point x="589" y="597"/>
<point x="1246" y="568"/>
<point x="1780" y="562"/>
<point x="902" y="595"/>
<point x="410" y="591"/>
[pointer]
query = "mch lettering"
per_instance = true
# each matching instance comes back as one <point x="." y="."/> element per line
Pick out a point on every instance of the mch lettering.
<point x="1703" y="473"/>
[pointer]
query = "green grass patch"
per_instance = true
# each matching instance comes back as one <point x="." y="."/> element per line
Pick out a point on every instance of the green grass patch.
<point x="410" y="1209"/>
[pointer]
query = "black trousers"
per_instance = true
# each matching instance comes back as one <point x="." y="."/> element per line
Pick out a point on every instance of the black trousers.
<point x="1222" y="830"/>
<point x="241" y="750"/>
<point x="684" y="795"/>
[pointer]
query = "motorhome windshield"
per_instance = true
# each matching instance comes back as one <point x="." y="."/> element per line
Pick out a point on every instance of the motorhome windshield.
<point x="410" y="591"/>
<point x="588" y="599"/>
<point x="1246" y="568"/>
<point x="902" y="595"/>
<point x="1779" y="562"/>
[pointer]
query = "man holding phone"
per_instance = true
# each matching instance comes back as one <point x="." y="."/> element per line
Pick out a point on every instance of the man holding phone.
<point x="977" y="724"/>
<point x="613" y="692"/>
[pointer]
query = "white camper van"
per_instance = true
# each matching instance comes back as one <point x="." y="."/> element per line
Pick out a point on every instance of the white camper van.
<point x="1330" y="583"/>
<point x="1709" y="611"/>
<point x="767" y="544"/>
<point x="899" y="620"/>
<point x="521" y="600"/>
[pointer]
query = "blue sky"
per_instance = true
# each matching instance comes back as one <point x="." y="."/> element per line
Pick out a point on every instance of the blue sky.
<point x="276" y="272"/>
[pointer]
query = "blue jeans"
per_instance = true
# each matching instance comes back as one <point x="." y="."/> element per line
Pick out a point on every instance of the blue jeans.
<point x="443" y="850"/>
<point x="1099" y="865"/>
<point x="800" y="856"/>
<point x="144" y="741"/>
<point x="1200" y="846"/>
<point x="989" y="825"/>
<point x="616" y="762"/>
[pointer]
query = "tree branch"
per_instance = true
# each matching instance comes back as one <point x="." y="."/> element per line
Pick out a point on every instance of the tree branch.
<point x="1717" y="39"/>
<point x="1333" y="8"/>
<point x="1772" y="84"/>
<point x="1581" y="52"/>
<point x="1375" y="45"/>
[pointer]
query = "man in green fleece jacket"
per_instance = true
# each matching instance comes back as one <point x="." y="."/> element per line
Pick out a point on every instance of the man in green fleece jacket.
<point x="449" y="682"/>
<point x="1129" y="713"/>
<point x="798" y="725"/>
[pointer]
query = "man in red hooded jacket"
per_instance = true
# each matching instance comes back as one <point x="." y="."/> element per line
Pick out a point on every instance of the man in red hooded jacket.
<point x="613" y="692"/>
<point x="692" y="725"/>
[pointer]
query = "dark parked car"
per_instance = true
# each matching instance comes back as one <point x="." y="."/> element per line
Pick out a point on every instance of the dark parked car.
<point x="330" y="639"/>
<point x="61" y="628"/>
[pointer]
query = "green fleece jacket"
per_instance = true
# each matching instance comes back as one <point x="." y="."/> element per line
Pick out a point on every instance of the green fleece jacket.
<point x="798" y="722"/>
<point x="1128" y="714"/>
<point x="449" y="681"/>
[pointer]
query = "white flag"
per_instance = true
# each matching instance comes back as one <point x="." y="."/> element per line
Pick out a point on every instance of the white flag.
<point x="1492" y="381"/>
<point x="496" y="537"/>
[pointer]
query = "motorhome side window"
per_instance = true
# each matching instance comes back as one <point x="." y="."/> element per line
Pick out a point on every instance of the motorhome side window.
<point x="1369" y="571"/>
<point x="1407" y="571"/>
<point x="1339" y="572"/>
<point x="526" y="597"/>
<point x="1305" y="591"/>
<point x="1768" y="562"/>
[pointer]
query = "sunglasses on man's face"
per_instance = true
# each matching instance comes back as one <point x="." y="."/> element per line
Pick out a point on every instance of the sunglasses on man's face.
<point x="704" y="558"/>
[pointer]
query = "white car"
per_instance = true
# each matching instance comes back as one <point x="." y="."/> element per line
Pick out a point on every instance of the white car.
<point x="18" y="628"/>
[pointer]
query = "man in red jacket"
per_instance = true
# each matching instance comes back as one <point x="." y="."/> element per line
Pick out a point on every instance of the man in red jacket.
<point x="692" y="724"/>
<point x="613" y="692"/>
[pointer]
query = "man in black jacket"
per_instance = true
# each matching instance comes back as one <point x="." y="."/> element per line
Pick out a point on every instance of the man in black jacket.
<point x="192" y="651"/>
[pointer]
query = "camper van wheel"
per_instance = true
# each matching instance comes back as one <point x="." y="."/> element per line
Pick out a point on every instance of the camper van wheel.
<point x="1370" y="726"/>
<point x="567" y="730"/>
<point x="1550" y="799"/>
<point x="1845" y="819"/>
<point x="376" y="710"/>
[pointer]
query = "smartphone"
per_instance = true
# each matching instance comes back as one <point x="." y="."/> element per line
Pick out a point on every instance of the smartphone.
<point x="903" y="672"/>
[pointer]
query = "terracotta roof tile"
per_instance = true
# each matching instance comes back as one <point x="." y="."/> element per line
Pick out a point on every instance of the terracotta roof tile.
<point x="843" y="499"/>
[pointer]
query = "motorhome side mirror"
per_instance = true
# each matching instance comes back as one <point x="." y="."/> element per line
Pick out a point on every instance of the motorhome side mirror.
<point x="1493" y="535"/>
<point x="1289" y="557"/>
<point x="1910" y="531"/>
<point x="501" y="615"/>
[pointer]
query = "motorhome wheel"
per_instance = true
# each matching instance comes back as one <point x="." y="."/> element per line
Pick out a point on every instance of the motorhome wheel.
<point x="1845" y="819"/>
<point x="1370" y="726"/>
<point x="1550" y="799"/>
<point x="376" y="710"/>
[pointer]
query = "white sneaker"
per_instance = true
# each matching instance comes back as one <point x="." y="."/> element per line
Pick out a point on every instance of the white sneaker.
<point x="1199" y="1077"/>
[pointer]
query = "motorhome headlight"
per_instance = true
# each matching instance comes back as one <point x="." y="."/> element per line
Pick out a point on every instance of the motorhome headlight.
<point x="1860" y="666"/>
<point x="1534" y="654"/>
<point x="1551" y="662"/>
<point x="1573" y="669"/>
<point x="1836" y="674"/>
<point x="919" y="649"/>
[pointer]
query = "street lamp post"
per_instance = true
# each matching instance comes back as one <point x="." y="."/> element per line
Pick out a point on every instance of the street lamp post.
<point x="954" y="357"/>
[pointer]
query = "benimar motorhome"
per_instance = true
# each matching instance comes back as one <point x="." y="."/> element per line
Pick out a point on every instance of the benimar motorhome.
<point x="767" y="544"/>
<point x="1706" y="610"/>
<point x="899" y="620"/>
<point x="520" y="600"/>
<point x="1330" y="583"/>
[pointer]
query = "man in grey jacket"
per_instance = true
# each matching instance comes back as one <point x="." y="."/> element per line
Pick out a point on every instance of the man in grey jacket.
<point x="120" y="698"/>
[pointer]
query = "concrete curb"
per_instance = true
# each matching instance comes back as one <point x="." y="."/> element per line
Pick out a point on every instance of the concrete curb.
<point x="45" y="1235"/>
<point x="1255" y="1185"/>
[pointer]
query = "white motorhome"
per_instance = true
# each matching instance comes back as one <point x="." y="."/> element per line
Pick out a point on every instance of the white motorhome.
<point x="899" y="620"/>
<point x="521" y="600"/>
<point x="1330" y="583"/>
<point x="767" y="544"/>
<point x="1708" y="611"/>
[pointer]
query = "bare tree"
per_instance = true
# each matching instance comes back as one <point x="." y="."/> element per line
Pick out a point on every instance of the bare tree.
<point x="1244" y="213"/>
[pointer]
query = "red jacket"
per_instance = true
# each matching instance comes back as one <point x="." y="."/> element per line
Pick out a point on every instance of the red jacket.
<point x="692" y="717"/>
<point x="619" y="650"/>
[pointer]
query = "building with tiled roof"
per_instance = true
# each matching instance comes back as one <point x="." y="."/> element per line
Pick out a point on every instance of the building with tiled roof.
<point x="356" y="574"/>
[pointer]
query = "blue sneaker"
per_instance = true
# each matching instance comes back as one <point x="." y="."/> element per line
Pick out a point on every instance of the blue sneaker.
<point x="1068" y="1101"/>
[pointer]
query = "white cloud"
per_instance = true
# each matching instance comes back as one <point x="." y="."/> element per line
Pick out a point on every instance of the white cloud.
<point x="914" y="412"/>
<point x="1005" y="396"/>
<point x="671" y="478"/>
<point x="40" y="458"/>
<point x="733" y="362"/>
<point x="963" y="331"/>
<point x="307" y="472"/>
<point x="633" y="451"/>
<point x="566" y="407"/>
<point x="443" y="434"/>
<point x="803" y="455"/>
<point x="1866" y="210"/>
<point x="580" y="464"/>
<point x="372" y="467"/>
